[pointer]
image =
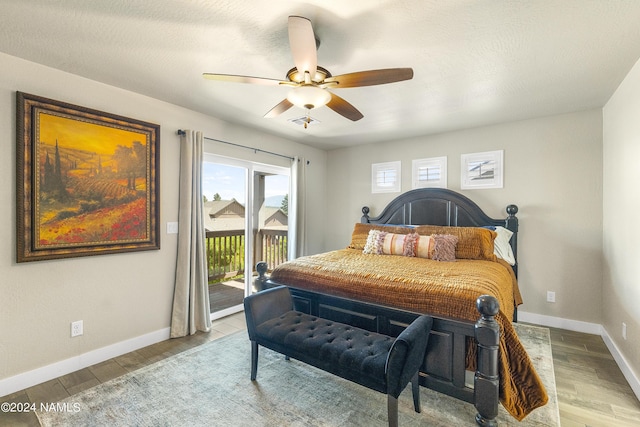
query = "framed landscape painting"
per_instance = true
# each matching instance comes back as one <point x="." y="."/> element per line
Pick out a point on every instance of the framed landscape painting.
<point x="87" y="181"/>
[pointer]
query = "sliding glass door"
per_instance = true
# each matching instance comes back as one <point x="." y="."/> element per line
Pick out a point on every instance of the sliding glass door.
<point x="246" y="220"/>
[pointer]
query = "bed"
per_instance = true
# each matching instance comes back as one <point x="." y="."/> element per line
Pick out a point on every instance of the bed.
<point x="431" y="251"/>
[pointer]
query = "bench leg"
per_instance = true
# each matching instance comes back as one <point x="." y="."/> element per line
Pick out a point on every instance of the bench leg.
<point x="392" y="410"/>
<point x="254" y="360"/>
<point x="415" y="388"/>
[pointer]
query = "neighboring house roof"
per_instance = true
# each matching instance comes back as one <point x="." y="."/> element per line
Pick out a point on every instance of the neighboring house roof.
<point x="217" y="208"/>
<point x="229" y="215"/>
<point x="273" y="218"/>
<point x="223" y="215"/>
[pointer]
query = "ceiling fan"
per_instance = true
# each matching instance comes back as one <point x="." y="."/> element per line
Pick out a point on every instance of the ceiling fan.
<point x="310" y="82"/>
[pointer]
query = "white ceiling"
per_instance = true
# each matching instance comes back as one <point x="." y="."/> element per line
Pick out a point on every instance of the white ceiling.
<point x="475" y="62"/>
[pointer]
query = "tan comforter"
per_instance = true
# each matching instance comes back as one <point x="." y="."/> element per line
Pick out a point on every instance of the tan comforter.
<point x="442" y="289"/>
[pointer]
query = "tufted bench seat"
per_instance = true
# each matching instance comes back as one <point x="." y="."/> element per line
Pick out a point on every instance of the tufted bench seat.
<point x="373" y="360"/>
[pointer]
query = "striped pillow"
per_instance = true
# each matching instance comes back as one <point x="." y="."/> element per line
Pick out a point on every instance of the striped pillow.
<point x="473" y="242"/>
<point x="361" y="231"/>
<point x="412" y="244"/>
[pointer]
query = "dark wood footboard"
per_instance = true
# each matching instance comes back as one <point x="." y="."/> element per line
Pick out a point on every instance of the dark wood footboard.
<point x="444" y="367"/>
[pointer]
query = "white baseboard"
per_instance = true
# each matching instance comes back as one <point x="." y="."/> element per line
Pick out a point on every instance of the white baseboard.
<point x="628" y="373"/>
<point x="587" y="328"/>
<point x="558" y="322"/>
<point x="55" y="370"/>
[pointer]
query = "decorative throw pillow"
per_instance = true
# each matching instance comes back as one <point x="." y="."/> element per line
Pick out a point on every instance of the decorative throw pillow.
<point x="399" y="244"/>
<point x="445" y="247"/>
<point x="392" y="244"/>
<point x="412" y="244"/>
<point x="361" y="231"/>
<point x="374" y="242"/>
<point x="473" y="242"/>
<point x="424" y="247"/>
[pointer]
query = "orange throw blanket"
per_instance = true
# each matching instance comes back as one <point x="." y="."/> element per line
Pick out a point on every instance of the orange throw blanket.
<point x="441" y="289"/>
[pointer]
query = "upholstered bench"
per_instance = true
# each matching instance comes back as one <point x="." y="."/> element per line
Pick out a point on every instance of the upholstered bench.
<point x="373" y="360"/>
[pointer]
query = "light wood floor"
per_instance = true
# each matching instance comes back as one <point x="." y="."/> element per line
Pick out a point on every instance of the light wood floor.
<point x="591" y="389"/>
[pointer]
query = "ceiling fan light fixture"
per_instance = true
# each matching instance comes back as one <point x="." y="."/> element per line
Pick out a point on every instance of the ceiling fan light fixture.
<point x="308" y="96"/>
<point x="310" y="82"/>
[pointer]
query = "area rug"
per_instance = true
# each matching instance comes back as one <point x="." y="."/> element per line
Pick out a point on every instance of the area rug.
<point x="210" y="386"/>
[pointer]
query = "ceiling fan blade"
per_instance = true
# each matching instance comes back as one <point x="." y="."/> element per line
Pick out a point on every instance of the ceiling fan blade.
<point x="370" y="78"/>
<point x="278" y="109"/>
<point x="343" y="108"/>
<point x="303" y="45"/>
<point x="244" y="79"/>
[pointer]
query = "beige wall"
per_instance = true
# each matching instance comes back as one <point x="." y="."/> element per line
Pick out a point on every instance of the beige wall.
<point x="552" y="171"/>
<point x="621" y="290"/>
<point x="119" y="297"/>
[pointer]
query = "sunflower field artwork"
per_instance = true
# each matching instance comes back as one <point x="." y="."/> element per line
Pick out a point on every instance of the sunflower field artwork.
<point x="87" y="181"/>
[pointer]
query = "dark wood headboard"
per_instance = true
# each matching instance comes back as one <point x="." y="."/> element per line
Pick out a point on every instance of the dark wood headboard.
<point x="440" y="206"/>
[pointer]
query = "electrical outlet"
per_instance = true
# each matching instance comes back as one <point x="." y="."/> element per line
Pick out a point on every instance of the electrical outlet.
<point x="624" y="331"/>
<point x="76" y="328"/>
<point x="551" y="296"/>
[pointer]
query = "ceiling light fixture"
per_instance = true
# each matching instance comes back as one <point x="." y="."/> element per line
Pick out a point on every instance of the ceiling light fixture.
<point x="308" y="96"/>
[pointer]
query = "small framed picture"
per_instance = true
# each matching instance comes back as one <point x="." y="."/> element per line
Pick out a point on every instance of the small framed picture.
<point x="482" y="170"/>
<point x="385" y="177"/>
<point x="429" y="173"/>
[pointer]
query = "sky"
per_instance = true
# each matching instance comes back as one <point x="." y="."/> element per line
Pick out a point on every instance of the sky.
<point x="85" y="135"/>
<point x="229" y="182"/>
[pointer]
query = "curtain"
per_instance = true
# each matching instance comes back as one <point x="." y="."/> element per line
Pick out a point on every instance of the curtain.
<point x="297" y="208"/>
<point x="191" y="312"/>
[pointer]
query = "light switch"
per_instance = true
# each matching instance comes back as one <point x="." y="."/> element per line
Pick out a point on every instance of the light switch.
<point x="172" y="228"/>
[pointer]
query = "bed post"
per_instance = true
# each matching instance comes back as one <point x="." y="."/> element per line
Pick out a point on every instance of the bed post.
<point x="511" y="223"/>
<point x="364" y="219"/>
<point x="259" y="282"/>
<point x="486" y="384"/>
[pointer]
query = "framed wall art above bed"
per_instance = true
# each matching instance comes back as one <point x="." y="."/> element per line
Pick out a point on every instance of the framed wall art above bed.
<point x="429" y="173"/>
<point x="482" y="170"/>
<point x="386" y="177"/>
<point x="87" y="181"/>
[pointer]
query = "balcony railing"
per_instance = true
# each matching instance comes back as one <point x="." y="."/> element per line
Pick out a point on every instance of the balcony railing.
<point x="225" y="251"/>
<point x="274" y="247"/>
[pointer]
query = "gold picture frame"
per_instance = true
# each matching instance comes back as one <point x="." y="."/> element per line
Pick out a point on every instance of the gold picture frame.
<point x="87" y="181"/>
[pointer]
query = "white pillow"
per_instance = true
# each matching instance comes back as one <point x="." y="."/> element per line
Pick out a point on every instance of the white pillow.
<point x="501" y="247"/>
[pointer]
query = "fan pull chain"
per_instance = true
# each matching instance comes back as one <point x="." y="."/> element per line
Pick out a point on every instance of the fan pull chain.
<point x="308" y="120"/>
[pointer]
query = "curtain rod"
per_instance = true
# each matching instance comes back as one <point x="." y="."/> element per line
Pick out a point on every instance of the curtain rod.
<point x="255" y="150"/>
